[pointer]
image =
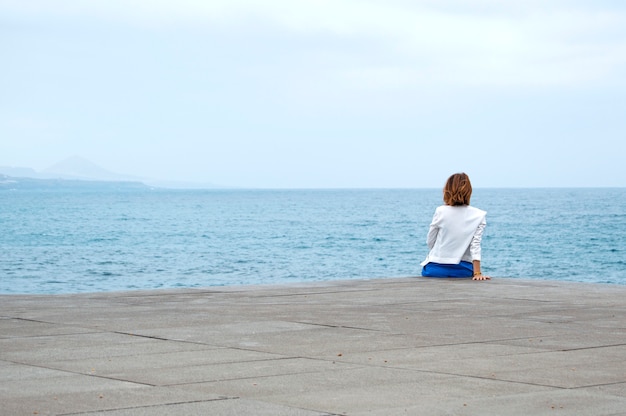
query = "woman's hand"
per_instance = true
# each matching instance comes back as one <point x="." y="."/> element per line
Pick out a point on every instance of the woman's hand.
<point x="477" y="274"/>
<point x="480" y="276"/>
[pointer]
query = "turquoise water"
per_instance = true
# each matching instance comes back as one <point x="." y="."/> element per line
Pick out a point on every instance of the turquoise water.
<point x="88" y="241"/>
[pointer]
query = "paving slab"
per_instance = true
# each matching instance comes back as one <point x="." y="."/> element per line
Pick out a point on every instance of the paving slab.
<point x="356" y="347"/>
<point x="219" y="407"/>
<point x="565" y="402"/>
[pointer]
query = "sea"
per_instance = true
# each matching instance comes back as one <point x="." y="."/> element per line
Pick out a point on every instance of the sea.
<point x="96" y="240"/>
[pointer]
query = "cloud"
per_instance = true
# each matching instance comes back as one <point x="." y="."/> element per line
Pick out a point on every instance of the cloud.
<point x="416" y="44"/>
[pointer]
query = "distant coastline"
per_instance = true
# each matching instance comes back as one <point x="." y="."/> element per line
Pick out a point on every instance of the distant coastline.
<point x="10" y="183"/>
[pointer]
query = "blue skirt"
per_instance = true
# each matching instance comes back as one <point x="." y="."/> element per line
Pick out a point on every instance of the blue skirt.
<point x="463" y="269"/>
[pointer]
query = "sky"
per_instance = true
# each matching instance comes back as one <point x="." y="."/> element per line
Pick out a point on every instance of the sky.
<point x="319" y="93"/>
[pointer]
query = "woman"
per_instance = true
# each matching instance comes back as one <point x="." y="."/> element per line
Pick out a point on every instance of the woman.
<point x="455" y="234"/>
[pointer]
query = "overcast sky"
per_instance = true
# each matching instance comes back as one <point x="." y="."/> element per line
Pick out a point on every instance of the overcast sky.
<point x="315" y="93"/>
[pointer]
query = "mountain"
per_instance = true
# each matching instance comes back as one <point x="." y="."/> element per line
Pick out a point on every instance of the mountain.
<point x="72" y="173"/>
<point x="76" y="167"/>
<point x="18" y="172"/>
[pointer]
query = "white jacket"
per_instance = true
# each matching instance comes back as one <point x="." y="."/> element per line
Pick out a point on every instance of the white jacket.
<point x="455" y="234"/>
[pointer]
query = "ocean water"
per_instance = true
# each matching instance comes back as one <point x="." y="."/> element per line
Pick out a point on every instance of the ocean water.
<point x="69" y="241"/>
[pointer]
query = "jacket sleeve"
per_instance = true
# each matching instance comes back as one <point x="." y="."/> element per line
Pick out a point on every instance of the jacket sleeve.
<point x="475" y="249"/>
<point x="433" y="231"/>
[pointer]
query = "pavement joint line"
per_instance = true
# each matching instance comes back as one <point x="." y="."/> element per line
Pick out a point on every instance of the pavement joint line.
<point x="525" y="299"/>
<point x="157" y="338"/>
<point x="336" y="326"/>
<point x="78" y="373"/>
<point x="281" y="358"/>
<point x="592" y="348"/>
<point x="212" y="346"/>
<point x="95" y="412"/>
<point x="39" y="321"/>
<point x="490" y="342"/>
<point x="286" y="295"/>
<point x="500" y="380"/>
<point x="89" y="329"/>
<point x="289" y="373"/>
<point x="615" y="383"/>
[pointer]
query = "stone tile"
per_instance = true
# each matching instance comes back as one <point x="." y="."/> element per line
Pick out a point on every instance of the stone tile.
<point x="364" y="382"/>
<point x="100" y="400"/>
<point x="19" y="328"/>
<point x="429" y="357"/>
<point x="226" y="371"/>
<point x="46" y="349"/>
<point x="566" y="369"/>
<point x="549" y="403"/>
<point x="615" y="389"/>
<point x="167" y="361"/>
<point x="223" y="407"/>
<point x="56" y="382"/>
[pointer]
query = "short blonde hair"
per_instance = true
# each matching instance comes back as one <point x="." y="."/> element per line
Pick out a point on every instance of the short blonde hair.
<point x="458" y="190"/>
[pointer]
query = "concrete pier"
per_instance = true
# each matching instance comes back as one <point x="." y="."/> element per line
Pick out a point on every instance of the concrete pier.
<point x="408" y="346"/>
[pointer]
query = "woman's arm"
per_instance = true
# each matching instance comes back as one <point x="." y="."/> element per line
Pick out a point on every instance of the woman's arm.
<point x="475" y="248"/>
<point x="433" y="230"/>
<point x="431" y="238"/>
